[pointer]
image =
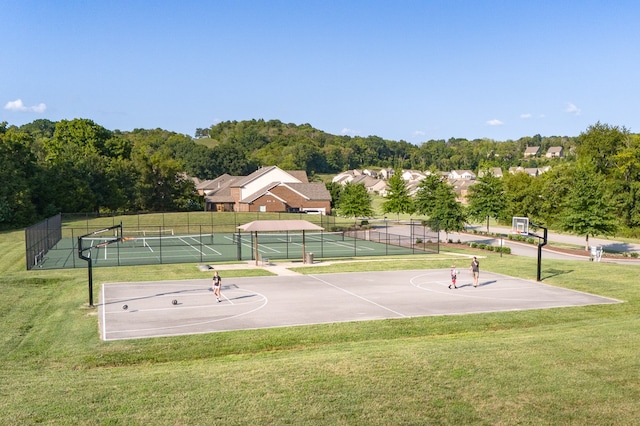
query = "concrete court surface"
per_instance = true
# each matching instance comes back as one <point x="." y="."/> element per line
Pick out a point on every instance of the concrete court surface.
<point x="280" y="301"/>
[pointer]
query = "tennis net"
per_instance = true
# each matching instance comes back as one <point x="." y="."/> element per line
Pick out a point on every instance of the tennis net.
<point x="168" y="240"/>
<point x="291" y="237"/>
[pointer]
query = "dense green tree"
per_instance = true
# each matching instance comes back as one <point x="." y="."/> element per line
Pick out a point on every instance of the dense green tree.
<point x="486" y="198"/>
<point x="600" y="144"/>
<point x="80" y="137"/>
<point x="355" y="201"/>
<point x="335" y="189"/>
<point x="161" y="185"/>
<point x="230" y="158"/>
<point x="523" y="195"/>
<point x="398" y="199"/>
<point x="586" y="210"/>
<point x="18" y="174"/>
<point x="123" y="178"/>
<point x="76" y="160"/>
<point x="425" y="198"/>
<point x="447" y="211"/>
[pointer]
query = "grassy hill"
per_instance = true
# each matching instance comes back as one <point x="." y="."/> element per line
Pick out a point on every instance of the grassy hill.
<point x="574" y="365"/>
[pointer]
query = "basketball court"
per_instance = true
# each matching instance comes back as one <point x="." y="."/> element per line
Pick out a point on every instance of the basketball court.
<point x="171" y="308"/>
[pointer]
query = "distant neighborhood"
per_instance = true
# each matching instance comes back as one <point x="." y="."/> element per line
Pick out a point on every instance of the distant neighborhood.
<point x="271" y="189"/>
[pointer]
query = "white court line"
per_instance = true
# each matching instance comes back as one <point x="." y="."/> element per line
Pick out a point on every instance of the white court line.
<point x="481" y="291"/>
<point x="358" y="296"/>
<point x="104" y="315"/>
<point x="187" y="325"/>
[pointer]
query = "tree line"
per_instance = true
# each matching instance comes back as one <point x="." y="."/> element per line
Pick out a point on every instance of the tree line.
<point x="77" y="165"/>
<point x="596" y="193"/>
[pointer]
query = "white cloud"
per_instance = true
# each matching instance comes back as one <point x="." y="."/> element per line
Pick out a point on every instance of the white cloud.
<point x="419" y="133"/>
<point x="527" y="115"/>
<point x="495" y="122"/>
<point x="17" y="105"/>
<point x="572" y="109"/>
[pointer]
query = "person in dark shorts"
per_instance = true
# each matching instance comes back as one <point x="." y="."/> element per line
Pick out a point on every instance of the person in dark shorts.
<point x="475" y="270"/>
<point x="217" y="283"/>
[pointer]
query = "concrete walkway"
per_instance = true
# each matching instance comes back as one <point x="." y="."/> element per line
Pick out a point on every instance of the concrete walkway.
<point x="278" y="268"/>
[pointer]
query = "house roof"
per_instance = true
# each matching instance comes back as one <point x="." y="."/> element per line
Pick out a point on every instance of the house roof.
<point x="366" y="180"/>
<point x="221" y="196"/>
<point x="311" y="191"/>
<point x="279" y="225"/>
<point x="253" y="176"/>
<point x="300" y="175"/>
<point x="222" y="181"/>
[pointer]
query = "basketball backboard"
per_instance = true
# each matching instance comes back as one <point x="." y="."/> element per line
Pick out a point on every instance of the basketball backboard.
<point x="520" y="225"/>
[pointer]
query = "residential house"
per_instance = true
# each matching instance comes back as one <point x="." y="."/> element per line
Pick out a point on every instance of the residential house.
<point x="531" y="171"/>
<point x="531" y="151"/>
<point x="345" y="177"/>
<point x="555" y="152"/>
<point x="495" y="171"/>
<point x="268" y="189"/>
<point x="461" y="174"/>
<point x="371" y="173"/>
<point x="217" y="193"/>
<point x="307" y="197"/>
<point x="373" y="185"/>
<point x="412" y="175"/>
<point x="385" y="173"/>
<point x="461" y="188"/>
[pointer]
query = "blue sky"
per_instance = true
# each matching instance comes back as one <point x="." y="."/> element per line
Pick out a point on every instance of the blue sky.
<point x="401" y="70"/>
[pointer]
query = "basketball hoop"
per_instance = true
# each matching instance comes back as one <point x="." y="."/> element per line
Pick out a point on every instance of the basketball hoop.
<point x="520" y="226"/>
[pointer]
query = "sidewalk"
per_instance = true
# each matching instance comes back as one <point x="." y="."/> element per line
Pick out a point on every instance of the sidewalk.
<point x="278" y="268"/>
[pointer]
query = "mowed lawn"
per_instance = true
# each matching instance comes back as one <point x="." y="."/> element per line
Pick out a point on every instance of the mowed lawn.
<point x="569" y="366"/>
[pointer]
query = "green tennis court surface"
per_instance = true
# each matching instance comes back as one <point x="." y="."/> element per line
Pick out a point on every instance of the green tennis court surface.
<point x="143" y="249"/>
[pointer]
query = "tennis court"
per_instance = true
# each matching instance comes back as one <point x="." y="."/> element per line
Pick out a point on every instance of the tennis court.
<point x="146" y="247"/>
<point x="284" y="301"/>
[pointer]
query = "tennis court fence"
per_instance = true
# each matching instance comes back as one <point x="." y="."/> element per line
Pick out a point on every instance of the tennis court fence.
<point x="205" y="243"/>
<point x="40" y="238"/>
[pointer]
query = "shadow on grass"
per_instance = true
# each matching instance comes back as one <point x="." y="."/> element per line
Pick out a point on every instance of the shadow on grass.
<point x="550" y="273"/>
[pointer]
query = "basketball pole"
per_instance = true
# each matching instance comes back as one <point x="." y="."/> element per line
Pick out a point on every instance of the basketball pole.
<point x="540" y="245"/>
<point x="88" y="259"/>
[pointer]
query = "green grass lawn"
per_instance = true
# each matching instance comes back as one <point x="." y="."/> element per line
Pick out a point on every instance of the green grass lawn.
<point x="575" y="365"/>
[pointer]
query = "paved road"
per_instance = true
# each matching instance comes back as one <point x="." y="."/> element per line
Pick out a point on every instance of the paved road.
<point x="607" y="244"/>
<point x="521" y="249"/>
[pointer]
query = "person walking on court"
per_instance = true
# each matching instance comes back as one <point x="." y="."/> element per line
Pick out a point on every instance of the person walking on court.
<point x="475" y="270"/>
<point x="454" y="276"/>
<point x="217" y="283"/>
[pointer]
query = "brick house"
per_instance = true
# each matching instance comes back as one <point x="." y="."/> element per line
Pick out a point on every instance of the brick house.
<point x="268" y="189"/>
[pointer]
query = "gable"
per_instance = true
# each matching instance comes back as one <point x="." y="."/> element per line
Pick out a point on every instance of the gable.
<point x="261" y="178"/>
